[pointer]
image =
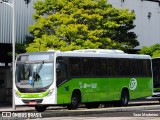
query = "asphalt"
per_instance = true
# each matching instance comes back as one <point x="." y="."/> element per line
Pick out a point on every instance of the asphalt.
<point x="57" y="111"/>
<point x="132" y="105"/>
<point x="11" y="109"/>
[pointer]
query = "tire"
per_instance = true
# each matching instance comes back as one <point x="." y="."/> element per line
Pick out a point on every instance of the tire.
<point x="75" y="101"/>
<point x="40" y="108"/>
<point x="92" y="105"/>
<point x="124" y="98"/>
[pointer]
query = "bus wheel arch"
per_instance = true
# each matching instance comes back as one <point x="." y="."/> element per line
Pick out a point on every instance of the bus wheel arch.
<point x="124" y="98"/>
<point x="40" y="108"/>
<point x="75" y="99"/>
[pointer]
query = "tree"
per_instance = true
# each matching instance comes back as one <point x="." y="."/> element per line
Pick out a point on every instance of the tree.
<point x="80" y="24"/>
<point x="153" y="51"/>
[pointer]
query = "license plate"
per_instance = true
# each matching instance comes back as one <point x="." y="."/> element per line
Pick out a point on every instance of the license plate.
<point x="32" y="103"/>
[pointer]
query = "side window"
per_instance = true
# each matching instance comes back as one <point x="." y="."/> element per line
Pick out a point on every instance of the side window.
<point x="146" y="68"/>
<point x="124" y="67"/>
<point x="100" y="67"/>
<point x="88" y="67"/>
<point x="140" y="67"/>
<point x="75" y="66"/>
<point x="61" y="72"/>
<point x="134" y="67"/>
<point x="112" y="67"/>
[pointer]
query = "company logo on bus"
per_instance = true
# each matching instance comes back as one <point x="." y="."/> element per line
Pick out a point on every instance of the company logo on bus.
<point x="133" y="84"/>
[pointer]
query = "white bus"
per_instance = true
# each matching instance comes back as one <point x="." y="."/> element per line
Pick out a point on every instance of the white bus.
<point x="90" y="76"/>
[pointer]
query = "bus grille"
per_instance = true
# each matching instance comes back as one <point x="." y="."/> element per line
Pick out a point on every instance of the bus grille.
<point x="36" y="100"/>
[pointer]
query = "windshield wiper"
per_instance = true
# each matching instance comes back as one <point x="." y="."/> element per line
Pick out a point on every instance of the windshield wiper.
<point x="40" y="67"/>
<point x="36" y="75"/>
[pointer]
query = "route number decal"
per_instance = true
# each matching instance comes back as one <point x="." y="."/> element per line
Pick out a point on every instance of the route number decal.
<point x="133" y="84"/>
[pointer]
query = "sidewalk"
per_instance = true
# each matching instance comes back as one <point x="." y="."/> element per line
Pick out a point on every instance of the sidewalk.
<point x="8" y="108"/>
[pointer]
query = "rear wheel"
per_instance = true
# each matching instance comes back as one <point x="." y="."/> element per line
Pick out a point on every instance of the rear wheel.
<point x="124" y="98"/>
<point x="40" y="108"/>
<point x="75" y="100"/>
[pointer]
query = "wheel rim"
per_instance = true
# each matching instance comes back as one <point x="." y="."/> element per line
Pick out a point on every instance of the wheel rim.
<point x="74" y="101"/>
<point x="124" y="98"/>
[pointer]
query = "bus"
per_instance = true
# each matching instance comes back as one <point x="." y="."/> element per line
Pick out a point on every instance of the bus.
<point x="156" y="78"/>
<point x="89" y="77"/>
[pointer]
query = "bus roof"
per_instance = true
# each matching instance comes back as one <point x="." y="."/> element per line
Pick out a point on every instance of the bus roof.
<point x="102" y="53"/>
<point x="108" y="53"/>
<point x="156" y="58"/>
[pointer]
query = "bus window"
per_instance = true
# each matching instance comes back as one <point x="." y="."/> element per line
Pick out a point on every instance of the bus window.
<point x="75" y="66"/>
<point x="112" y="67"/>
<point x="61" y="73"/>
<point x="124" y="67"/>
<point x="100" y="67"/>
<point x="135" y="69"/>
<point x="88" y="67"/>
<point x="146" y="68"/>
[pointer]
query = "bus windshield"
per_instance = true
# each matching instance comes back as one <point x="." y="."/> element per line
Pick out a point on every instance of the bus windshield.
<point x="34" y="75"/>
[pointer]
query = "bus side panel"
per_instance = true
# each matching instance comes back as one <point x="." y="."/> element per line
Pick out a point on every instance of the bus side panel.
<point x="143" y="89"/>
<point x="103" y="89"/>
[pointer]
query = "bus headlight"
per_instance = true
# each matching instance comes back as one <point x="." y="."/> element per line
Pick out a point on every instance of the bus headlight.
<point x="50" y="92"/>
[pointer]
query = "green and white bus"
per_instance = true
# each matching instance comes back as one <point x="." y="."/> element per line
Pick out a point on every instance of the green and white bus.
<point x="89" y="76"/>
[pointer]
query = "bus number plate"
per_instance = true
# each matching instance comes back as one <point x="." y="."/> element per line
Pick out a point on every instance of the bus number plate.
<point x="32" y="103"/>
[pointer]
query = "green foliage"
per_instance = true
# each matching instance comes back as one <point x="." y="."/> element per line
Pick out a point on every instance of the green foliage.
<point x="80" y="24"/>
<point x="19" y="48"/>
<point x="153" y="51"/>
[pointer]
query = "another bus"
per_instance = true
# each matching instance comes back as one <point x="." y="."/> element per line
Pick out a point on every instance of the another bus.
<point x="156" y="78"/>
<point x="89" y="76"/>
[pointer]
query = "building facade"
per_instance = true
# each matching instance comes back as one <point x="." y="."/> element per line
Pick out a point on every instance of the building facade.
<point x="147" y="19"/>
<point x="23" y="18"/>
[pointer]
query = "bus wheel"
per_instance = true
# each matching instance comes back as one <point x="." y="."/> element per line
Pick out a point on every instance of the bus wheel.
<point x="40" y="108"/>
<point x="124" y="98"/>
<point x="75" y="100"/>
<point x="92" y="105"/>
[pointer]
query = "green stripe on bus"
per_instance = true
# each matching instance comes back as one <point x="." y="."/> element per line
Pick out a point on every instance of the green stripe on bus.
<point x="32" y="95"/>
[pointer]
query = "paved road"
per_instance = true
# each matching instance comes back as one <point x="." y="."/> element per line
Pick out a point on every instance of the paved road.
<point x="133" y="115"/>
<point x="100" y="118"/>
<point x="137" y="115"/>
<point x="132" y="112"/>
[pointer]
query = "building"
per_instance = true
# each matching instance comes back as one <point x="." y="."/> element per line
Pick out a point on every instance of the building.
<point x="23" y="18"/>
<point x="147" y="19"/>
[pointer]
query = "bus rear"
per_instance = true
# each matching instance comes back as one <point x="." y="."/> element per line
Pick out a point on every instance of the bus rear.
<point x="156" y="77"/>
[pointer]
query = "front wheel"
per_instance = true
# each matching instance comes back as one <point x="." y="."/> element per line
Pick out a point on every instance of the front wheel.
<point x="40" y="108"/>
<point x="75" y="101"/>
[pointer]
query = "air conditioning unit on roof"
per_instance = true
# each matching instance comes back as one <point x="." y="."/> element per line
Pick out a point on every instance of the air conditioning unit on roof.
<point x="101" y="51"/>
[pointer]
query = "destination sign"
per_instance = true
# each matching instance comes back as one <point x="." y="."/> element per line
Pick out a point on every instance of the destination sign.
<point x="36" y="57"/>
